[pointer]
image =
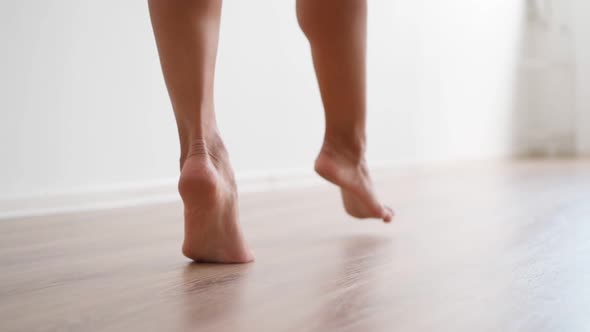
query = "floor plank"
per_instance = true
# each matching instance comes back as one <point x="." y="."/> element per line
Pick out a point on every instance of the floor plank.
<point x="474" y="247"/>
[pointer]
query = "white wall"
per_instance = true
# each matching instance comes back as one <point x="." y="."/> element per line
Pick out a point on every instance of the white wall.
<point x="581" y="34"/>
<point x="553" y="89"/>
<point x="83" y="104"/>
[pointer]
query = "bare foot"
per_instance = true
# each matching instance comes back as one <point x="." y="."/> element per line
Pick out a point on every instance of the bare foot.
<point x="348" y="170"/>
<point x="208" y="191"/>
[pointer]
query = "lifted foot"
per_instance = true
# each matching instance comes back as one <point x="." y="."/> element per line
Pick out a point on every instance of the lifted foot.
<point x="352" y="176"/>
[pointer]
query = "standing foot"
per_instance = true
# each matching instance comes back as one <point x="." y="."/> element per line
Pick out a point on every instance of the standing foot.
<point x="349" y="171"/>
<point x="208" y="191"/>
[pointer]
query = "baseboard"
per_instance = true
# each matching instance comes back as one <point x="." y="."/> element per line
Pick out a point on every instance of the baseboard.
<point x="162" y="191"/>
<point x="165" y="191"/>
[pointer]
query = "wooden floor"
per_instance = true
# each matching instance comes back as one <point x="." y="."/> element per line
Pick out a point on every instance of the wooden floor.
<point x="475" y="247"/>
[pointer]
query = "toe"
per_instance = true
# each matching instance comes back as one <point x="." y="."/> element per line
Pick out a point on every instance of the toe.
<point x="387" y="213"/>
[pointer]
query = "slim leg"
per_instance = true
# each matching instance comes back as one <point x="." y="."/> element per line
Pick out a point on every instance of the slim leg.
<point x="187" y="33"/>
<point x="336" y="30"/>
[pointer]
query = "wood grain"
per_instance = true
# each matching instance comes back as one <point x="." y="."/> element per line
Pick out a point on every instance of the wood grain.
<point x="474" y="247"/>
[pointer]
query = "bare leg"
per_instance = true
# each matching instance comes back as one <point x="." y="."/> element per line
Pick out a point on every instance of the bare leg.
<point x="187" y="33"/>
<point x="336" y="30"/>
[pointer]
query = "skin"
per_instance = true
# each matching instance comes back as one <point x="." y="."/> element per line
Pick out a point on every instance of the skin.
<point x="187" y="33"/>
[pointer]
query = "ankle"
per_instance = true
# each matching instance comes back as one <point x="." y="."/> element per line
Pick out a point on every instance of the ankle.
<point x="209" y="147"/>
<point x="348" y="147"/>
